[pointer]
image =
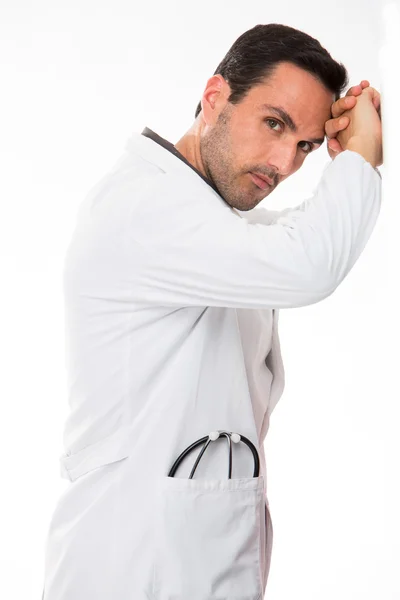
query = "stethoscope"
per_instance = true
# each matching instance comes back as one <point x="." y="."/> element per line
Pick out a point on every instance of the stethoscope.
<point x="212" y="437"/>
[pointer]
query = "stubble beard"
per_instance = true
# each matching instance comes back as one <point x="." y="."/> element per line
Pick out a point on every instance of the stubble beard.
<point x="217" y="157"/>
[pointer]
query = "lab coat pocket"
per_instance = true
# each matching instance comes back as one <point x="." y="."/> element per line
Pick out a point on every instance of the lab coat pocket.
<point x="209" y="537"/>
<point x="111" y="449"/>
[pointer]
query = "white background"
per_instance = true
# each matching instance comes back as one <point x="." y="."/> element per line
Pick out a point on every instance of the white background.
<point x="77" y="78"/>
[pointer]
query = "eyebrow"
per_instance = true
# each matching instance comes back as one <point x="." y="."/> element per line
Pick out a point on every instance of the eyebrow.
<point x="287" y="119"/>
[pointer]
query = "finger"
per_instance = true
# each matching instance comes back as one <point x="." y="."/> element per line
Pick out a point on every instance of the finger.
<point x="354" y="91"/>
<point x="333" y="126"/>
<point x="334" y="146"/>
<point x="345" y="103"/>
<point x="375" y="96"/>
<point x="376" y="99"/>
<point x="377" y="102"/>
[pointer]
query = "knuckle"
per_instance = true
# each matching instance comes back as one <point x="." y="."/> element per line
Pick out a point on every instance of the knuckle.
<point x="336" y="108"/>
<point x="369" y="91"/>
<point x="345" y="103"/>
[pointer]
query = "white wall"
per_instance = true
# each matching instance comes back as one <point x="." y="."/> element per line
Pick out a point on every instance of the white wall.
<point x="77" y="78"/>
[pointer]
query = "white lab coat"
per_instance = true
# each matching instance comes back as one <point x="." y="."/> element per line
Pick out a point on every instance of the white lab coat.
<point x="171" y="305"/>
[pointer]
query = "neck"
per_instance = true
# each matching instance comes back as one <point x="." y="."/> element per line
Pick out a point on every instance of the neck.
<point x="189" y="147"/>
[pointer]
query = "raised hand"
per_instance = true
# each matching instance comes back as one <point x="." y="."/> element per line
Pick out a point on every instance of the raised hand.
<point x="363" y="133"/>
<point x="344" y="105"/>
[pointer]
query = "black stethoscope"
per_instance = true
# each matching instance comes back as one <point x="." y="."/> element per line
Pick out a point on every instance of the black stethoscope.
<point x="212" y="437"/>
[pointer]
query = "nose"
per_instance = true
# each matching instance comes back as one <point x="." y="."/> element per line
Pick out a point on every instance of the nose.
<point x="282" y="159"/>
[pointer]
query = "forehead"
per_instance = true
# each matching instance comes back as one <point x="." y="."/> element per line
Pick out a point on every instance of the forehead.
<point x="298" y="92"/>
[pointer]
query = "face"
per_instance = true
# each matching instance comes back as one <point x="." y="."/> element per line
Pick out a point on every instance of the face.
<point x="240" y="141"/>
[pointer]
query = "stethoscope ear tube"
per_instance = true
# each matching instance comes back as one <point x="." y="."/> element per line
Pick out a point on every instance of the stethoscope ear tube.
<point x="206" y="441"/>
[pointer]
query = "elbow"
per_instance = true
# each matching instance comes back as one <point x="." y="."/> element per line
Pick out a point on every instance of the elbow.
<point x="326" y="283"/>
<point x="318" y="286"/>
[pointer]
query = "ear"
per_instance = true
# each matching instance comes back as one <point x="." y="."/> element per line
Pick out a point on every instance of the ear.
<point x="214" y="99"/>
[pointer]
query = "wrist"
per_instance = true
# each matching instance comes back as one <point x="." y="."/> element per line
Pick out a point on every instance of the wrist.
<point x="364" y="147"/>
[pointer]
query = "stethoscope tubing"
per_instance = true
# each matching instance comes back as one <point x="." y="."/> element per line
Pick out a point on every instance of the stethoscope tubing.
<point x="206" y="441"/>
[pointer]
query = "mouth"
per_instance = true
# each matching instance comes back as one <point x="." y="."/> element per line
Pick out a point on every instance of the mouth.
<point x="261" y="181"/>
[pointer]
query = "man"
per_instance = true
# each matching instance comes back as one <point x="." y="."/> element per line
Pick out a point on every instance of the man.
<point x="173" y="285"/>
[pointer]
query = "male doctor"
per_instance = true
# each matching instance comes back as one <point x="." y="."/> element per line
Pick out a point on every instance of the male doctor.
<point x="173" y="283"/>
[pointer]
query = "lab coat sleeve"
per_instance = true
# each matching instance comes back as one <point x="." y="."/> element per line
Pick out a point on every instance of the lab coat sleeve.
<point x="188" y="258"/>
<point x="267" y="216"/>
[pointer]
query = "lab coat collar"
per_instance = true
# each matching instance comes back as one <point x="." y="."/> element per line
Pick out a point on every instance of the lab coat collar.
<point x="154" y="153"/>
<point x="162" y="159"/>
<point x="162" y="153"/>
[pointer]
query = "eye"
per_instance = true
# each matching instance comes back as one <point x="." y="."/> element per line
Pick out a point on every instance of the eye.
<point x="310" y="146"/>
<point x="272" y="121"/>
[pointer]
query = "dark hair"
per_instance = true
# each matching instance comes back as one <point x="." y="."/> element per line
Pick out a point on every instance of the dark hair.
<point x="257" y="52"/>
